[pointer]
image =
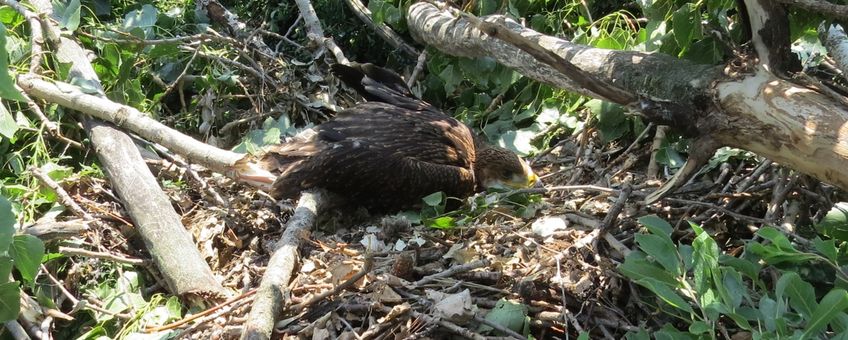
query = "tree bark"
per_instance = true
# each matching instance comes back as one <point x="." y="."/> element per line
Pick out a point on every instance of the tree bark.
<point x="753" y="109"/>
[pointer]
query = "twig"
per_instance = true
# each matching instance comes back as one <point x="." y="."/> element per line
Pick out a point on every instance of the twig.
<point x="201" y="314"/>
<point x="102" y="256"/>
<point x="419" y="66"/>
<point x="659" y="138"/>
<point x="16" y="330"/>
<point x="719" y="208"/>
<point x="316" y="34"/>
<point x="451" y="271"/>
<point x="444" y="323"/>
<point x="382" y="30"/>
<point x="366" y="268"/>
<point x="63" y="196"/>
<point x="385" y="322"/>
<point x="612" y="215"/>
<point x="209" y="190"/>
<point x="500" y="328"/>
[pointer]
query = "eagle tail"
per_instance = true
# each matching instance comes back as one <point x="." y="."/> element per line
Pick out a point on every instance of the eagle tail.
<point x="378" y="84"/>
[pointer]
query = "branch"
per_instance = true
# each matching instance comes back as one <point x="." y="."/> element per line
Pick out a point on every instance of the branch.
<point x="652" y="75"/>
<point x="269" y="298"/>
<point x="823" y="8"/>
<point x="316" y="34"/>
<point x="131" y="119"/>
<point x="383" y="30"/>
<point x="770" y="36"/>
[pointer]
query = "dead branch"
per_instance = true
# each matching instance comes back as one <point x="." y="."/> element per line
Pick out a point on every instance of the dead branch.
<point x="382" y="30"/>
<point x="131" y="119"/>
<point x="316" y="34"/>
<point x="269" y="299"/>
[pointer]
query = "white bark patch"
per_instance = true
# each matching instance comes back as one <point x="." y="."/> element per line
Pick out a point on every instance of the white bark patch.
<point x="836" y="43"/>
<point x="786" y="123"/>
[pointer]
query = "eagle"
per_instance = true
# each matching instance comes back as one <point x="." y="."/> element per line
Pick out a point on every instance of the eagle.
<point x="386" y="153"/>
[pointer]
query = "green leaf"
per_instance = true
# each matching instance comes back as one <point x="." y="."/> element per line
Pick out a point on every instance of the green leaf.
<point x="5" y="268"/>
<point x="27" y="251"/>
<point x="7" y="84"/>
<point x="434" y="199"/>
<point x="662" y="250"/>
<point x="666" y="293"/>
<point x="686" y="24"/>
<point x="835" y="223"/>
<point x="831" y="306"/>
<point x="7" y="224"/>
<point x="750" y="269"/>
<point x="640" y="268"/>
<point x="802" y="296"/>
<point x="611" y="119"/>
<point x="508" y="314"/>
<point x="140" y="22"/>
<point x="705" y="259"/>
<point x="69" y="14"/>
<point x="699" y="327"/>
<point x="826" y="248"/>
<point x="656" y="225"/>
<point x="732" y="289"/>
<point x="444" y="222"/>
<point x="10" y="301"/>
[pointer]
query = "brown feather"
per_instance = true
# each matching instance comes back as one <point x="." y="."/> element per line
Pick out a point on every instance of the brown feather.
<point x="389" y="153"/>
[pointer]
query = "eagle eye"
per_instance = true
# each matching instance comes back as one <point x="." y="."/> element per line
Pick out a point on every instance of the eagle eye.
<point x="506" y="174"/>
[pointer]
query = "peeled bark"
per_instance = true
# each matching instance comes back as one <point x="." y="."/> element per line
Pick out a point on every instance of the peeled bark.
<point x="753" y="109"/>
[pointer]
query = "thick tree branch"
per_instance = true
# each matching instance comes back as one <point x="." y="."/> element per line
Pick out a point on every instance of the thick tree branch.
<point x="821" y="7"/>
<point x="769" y="26"/>
<point x="759" y="112"/>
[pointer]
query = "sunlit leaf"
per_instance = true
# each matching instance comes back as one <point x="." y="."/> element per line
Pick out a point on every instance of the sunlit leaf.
<point x="10" y="301"/>
<point x="27" y="250"/>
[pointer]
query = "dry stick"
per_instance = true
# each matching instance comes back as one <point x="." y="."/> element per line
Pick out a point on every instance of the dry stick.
<point x="269" y="298"/>
<point x="366" y="268"/>
<point x="53" y="230"/>
<point x="451" y="271"/>
<point x="444" y="323"/>
<point x="316" y="34"/>
<point x="79" y="304"/>
<point x="63" y="195"/>
<point x="201" y="314"/>
<point x="779" y="196"/>
<point x="16" y="330"/>
<point x="131" y="119"/>
<point x="102" y="256"/>
<point x="419" y="66"/>
<point x="719" y="208"/>
<point x="382" y="30"/>
<point x="209" y="190"/>
<point x="220" y="14"/>
<point x="385" y="322"/>
<point x="659" y="137"/>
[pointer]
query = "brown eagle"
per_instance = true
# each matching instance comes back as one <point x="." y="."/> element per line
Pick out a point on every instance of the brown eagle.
<point x="387" y="153"/>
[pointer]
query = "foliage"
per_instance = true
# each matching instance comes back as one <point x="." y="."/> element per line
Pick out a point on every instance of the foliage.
<point x="21" y="252"/>
<point x="700" y="287"/>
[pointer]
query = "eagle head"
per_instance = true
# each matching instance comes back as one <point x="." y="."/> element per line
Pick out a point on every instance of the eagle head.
<point x="499" y="167"/>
